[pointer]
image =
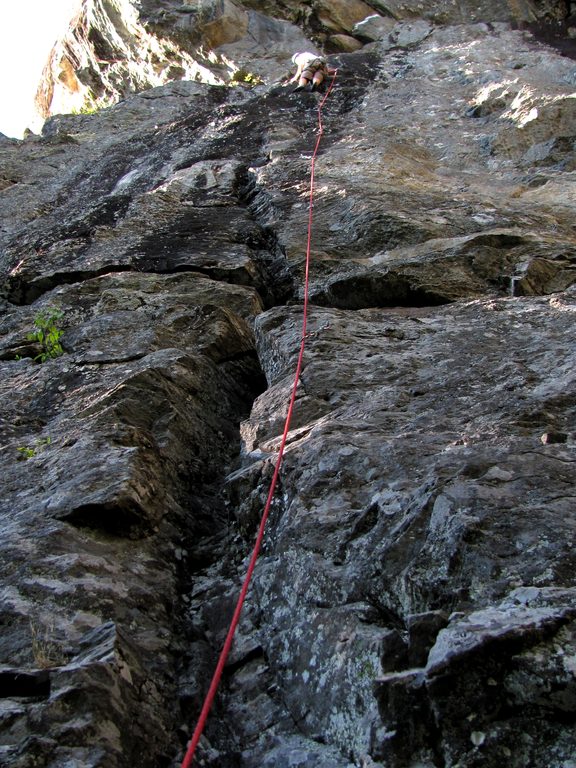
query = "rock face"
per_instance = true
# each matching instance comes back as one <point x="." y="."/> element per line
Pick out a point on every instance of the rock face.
<point x="115" y="47"/>
<point x="415" y="601"/>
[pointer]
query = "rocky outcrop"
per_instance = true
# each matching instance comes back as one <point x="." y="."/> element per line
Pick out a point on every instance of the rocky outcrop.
<point x="414" y="604"/>
<point x="112" y="50"/>
<point x="114" y="47"/>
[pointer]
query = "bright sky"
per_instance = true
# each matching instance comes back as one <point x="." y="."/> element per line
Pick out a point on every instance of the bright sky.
<point x="28" y="30"/>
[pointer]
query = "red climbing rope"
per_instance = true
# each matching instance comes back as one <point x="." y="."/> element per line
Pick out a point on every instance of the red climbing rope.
<point x="187" y="762"/>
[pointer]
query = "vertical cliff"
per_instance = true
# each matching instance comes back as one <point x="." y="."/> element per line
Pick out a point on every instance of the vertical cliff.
<point x="415" y="601"/>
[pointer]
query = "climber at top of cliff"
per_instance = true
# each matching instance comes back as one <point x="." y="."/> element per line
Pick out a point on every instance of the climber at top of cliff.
<point x="311" y="69"/>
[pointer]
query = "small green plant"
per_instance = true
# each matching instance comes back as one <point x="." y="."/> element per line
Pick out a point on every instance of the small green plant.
<point x="85" y="109"/>
<point x="47" y="333"/>
<point x="246" y="77"/>
<point x="28" y="452"/>
<point x="92" y="104"/>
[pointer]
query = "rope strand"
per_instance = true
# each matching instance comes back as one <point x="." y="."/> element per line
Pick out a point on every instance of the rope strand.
<point x="187" y="762"/>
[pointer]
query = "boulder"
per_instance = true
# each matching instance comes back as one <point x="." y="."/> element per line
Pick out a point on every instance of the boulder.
<point x="339" y="15"/>
<point x="222" y="22"/>
<point x="343" y="43"/>
<point x="373" y="28"/>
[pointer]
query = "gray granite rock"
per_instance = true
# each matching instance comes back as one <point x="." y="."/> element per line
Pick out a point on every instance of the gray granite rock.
<point x="414" y="601"/>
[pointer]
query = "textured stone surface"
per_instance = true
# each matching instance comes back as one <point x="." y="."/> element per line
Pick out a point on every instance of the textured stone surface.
<point x="414" y="603"/>
<point x="466" y="11"/>
<point x="341" y="15"/>
<point x="113" y="48"/>
<point x="374" y="27"/>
